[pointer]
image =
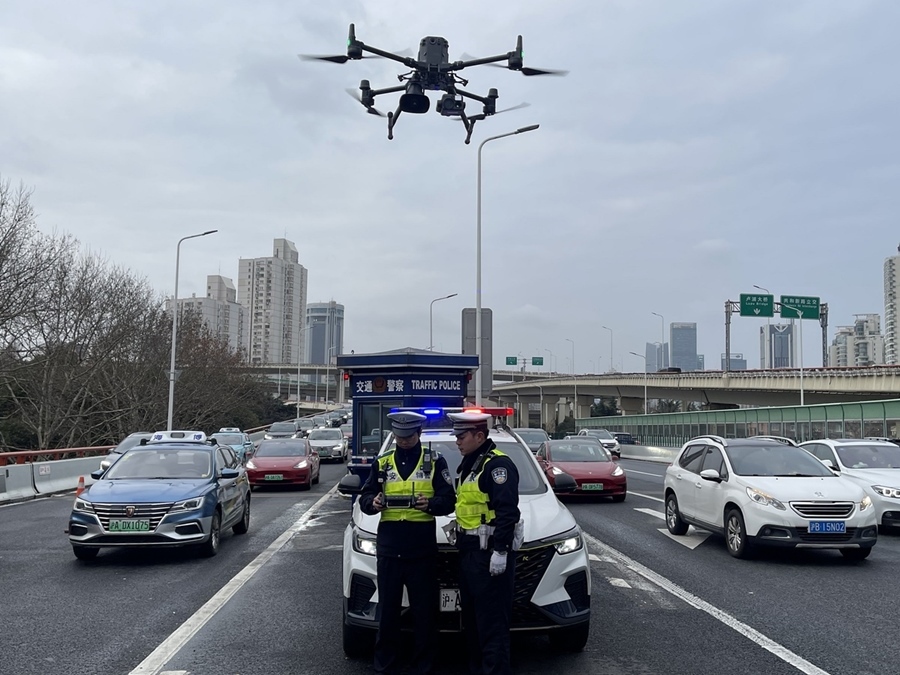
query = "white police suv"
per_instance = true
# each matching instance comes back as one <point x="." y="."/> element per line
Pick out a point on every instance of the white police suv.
<point x="553" y="581"/>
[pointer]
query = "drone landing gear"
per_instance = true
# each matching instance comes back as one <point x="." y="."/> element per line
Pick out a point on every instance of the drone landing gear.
<point x="392" y="120"/>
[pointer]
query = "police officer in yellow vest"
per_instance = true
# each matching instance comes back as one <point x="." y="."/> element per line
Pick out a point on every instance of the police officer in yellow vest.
<point x="487" y="510"/>
<point x="408" y="486"/>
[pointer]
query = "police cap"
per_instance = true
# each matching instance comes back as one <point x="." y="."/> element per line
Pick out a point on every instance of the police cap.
<point x="469" y="421"/>
<point x="406" y="423"/>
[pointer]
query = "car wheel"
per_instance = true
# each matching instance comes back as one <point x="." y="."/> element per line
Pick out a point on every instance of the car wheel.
<point x="736" y="539"/>
<point x="358" y="642"/>
<point x="856" y="553"/>
<point x="244" y="524"/>
<point x="673" y="516"/>
<point x="570" y="638"/>
<point x="316" y="479"/>
<point x="619" y="498"/>
<point x="85" y="552"/>
<point x="211" y="546"/>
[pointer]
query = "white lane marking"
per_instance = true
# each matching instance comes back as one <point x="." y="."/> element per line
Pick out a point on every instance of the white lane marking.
<point x="175" y="672"/>
<point x="691" y="540"/>
<point x="644" y="473"/>
<point x="600" y="558"/>
<point x="638" y="494"/>
<point x="169" y="647"/>
<point x="619" y="583"/>
<point x="735" y="624"/>
<point x="651" y="512"/>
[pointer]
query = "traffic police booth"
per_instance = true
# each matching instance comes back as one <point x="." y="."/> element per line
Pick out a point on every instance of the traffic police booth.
<point x="401" y="378"/>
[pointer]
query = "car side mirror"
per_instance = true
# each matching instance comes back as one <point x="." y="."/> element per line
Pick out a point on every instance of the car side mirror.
<point x="830" y="464"/>
<point x="564" y="483"/>
<point x="711" y="475"/>
<point x="350" y="484"/>
<point x="98" y="474"/>
<point x="229" y="473"/>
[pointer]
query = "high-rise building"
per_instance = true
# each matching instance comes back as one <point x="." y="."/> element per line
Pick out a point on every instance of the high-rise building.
<point x="325" y="331"/>
<point x="892" y="309"/>
<point x="273" y="290"/>
<point x="776" y="346"/>
<point x="219" y="310"/>
<point x="683" y="338"/>
<point x="657" y="356"/>
<point x="861" y="344"/>
<point x="737" y="362"/>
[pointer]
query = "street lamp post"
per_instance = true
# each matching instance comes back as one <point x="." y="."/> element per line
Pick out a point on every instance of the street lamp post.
<point x="551" y="359"/>
<point x="328" y="353"/>
<point x="768" y="334"/>
<point x="611" y="362"/>
<point x="478" y="337"/>
<point x="662" y="342"/>
<point x="175" y="327"/>
<point x="800" y="319"/>
<point x="299" y="361"/>
<point x="643" y="356"/>
<point x="575" y="378"/>
<point x="431" y="319"/>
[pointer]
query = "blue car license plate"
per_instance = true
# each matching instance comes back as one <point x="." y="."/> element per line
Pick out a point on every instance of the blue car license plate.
<point x="827" y="527"/>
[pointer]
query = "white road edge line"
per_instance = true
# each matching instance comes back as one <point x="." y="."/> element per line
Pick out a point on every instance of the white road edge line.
<point x="169" y="647"/>
<point x="644" y="473"/>
<point x="638" y="494"/>
<point x="738" y="626"/>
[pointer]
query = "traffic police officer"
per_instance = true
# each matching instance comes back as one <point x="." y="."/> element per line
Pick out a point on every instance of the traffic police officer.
<point x="408" y="487"/>
<point x="487" y="511"/>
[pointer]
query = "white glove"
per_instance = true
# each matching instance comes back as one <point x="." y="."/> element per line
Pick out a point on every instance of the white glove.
<point x="498" y="563"/>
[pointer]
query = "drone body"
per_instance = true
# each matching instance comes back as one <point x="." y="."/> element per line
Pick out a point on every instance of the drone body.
<point x="432" y="70"/>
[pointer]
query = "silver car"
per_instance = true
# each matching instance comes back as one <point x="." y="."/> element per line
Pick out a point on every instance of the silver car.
<point x="329" y="444"/>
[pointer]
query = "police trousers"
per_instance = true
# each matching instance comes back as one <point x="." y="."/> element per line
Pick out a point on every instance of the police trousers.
<point x="419" y="575"/>
<point x="486" y="611"/>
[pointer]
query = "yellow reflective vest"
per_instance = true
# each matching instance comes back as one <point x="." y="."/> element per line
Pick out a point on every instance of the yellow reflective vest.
<point x="418" y="483"/>
<point x="472" y="507"/>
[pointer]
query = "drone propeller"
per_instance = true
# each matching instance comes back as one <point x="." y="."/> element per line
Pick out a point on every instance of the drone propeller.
<point x="515" y="107"/>
<point x="369" y="108"/>
<point x="525" y="70"/>
<point x="340" y="58"/>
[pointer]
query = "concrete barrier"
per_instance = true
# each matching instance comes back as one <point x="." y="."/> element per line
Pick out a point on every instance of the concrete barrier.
<point x="62" y="475"/>
<point x="17" y="483"/>
<point x="649" y="453"/>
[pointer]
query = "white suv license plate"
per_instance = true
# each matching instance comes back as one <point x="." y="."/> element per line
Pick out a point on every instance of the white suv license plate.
<point x="449" y="599"/>
<point x="827" y="527"/>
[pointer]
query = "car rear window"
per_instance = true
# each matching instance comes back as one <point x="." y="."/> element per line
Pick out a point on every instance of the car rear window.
<point x="858" y="456"/>
<point x="325" y="435"/>
<point x="281" y="427"/>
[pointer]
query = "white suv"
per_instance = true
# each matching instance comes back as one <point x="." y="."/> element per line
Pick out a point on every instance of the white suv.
<point x="607" y="440"/>
<point x="873" y="464"/>
<point x="758" y="491"/>
<point x="553" y="580"/>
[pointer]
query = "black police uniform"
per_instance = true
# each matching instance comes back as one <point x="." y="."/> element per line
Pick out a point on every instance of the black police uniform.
<point x="407" y="556"/>
<point x="487" y="600"/>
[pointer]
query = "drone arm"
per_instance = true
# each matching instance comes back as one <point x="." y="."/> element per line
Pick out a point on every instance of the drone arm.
<point x="405" y="60"/>
<point x="474" y="97"/>
<point x="386" y="90"/>
<point x="459" y="65"/>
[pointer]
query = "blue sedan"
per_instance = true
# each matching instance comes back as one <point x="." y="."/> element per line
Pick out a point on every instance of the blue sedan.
<point x="166" y="492"/>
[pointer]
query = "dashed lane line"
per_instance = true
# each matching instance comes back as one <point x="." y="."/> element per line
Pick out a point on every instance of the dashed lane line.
<point x="651" y="512"/>
<point x="159" y="657"/>
<point x="735" y="624"/>
<point x="644" y="473"/>
<point x="638" y="494"/>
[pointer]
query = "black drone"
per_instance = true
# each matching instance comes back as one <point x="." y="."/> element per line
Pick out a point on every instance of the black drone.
<point x="434" y="71"/>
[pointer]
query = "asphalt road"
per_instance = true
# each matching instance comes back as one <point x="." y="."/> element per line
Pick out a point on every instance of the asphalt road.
<point x="271" y="599"/>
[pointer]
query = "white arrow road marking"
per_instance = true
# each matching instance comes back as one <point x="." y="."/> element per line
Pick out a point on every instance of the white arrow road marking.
<point x="691" y="540"/>
<point x="638" y="494"/>
<point x="651" y="512"/>
<point x="620" y="583"/>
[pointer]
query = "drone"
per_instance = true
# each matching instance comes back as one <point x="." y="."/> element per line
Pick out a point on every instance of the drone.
<point x="433" y="71"/>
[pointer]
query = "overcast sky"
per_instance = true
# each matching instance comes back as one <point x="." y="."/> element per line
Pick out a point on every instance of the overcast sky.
<point x="696" y="148"/>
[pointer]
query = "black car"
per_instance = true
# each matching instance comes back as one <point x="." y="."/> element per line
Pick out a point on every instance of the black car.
<point x="532" y="437"/>
<point x="624" y="438"/>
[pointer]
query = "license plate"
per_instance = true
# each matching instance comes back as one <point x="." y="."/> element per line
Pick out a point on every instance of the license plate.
<point x="827" y="527"/>
<point x="274" y="476"/>
<point x="592" y="486"/>
<point x="130" y="525"/>
<point x="449" y="599"/>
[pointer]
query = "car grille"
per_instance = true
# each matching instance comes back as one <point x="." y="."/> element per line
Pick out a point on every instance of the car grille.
<point x="361" y="591"/>
<point x="825" y="538"/>
<point x="154" y="512"/>
<point x="823" y="509"/>
<point x="577" y="588"/>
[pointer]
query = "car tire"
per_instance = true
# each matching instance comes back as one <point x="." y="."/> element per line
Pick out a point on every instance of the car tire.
<point x="674" y="523"/>
<point x="856" y="553"/>
<point x="736" y="540"/>
<point x="211" y="546"/>
<point x="357" y="642"/>
<point x="619" y="498"/>
<point x="85" y="552"/>
<point x="244" y="523"/>
<point x="571" y="638"/>
<point x="316" y="479"/>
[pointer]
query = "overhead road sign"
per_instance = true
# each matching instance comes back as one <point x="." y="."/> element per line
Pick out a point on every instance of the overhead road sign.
<point x="512" y="360"/>
<point x="537" y="360"/>
<point x="808" y="306"/>
<point x="754" y="304"/>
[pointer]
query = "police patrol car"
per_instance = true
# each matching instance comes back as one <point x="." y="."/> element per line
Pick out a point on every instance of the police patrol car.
<point x="553" y="582"/>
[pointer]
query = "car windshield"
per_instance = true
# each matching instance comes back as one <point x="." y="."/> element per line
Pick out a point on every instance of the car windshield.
<point x="858" y="456"/>
<point x="774" y="460"/>
<point x="282" y="427"/>
<point x="326" y="435"/>
<point x="532" y="435"/>
<point x="574" y="451"/>
<point x="305" y="424"/>
<point x="229" y="439"/>
<point x="155" y="462"/>
<point x="601" y="433"/>
<point x="320" y="419"/>
<point x="286" y="448"/>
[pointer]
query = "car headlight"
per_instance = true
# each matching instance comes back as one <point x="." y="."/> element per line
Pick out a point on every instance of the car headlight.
<point x="250" y="464"/>
<point x="556" y="471"/>
<point x="364" y="545"/>
<point x="865" y="503"/>
<point x="300" y="465"/>
<point x="191" y="504"/>
<point x="83" y="505"/>
<point x="338" y="447"/>
<point x="618" y="471"/>
<point x="268" y="437"/>
<point x="764" y="499"/>
<point x="893" y="493"/>
<point x="569" y="545"/>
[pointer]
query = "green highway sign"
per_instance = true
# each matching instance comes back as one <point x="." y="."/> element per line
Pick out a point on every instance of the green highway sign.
<point x="512" y="360"/>
<point x="809" y="307"/>
<point x="537" y="360"/>
<point x="754" y="304"/>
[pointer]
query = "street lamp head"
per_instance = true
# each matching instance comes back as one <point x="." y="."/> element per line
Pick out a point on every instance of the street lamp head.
<point x="762" y="289"/>
<point x="530" y="127"/>
<point x="208" y="232"/>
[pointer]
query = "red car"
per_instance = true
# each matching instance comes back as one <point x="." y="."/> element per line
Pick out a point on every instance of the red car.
<point x="596" y="472"/>
<point x="283" y="461"/>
